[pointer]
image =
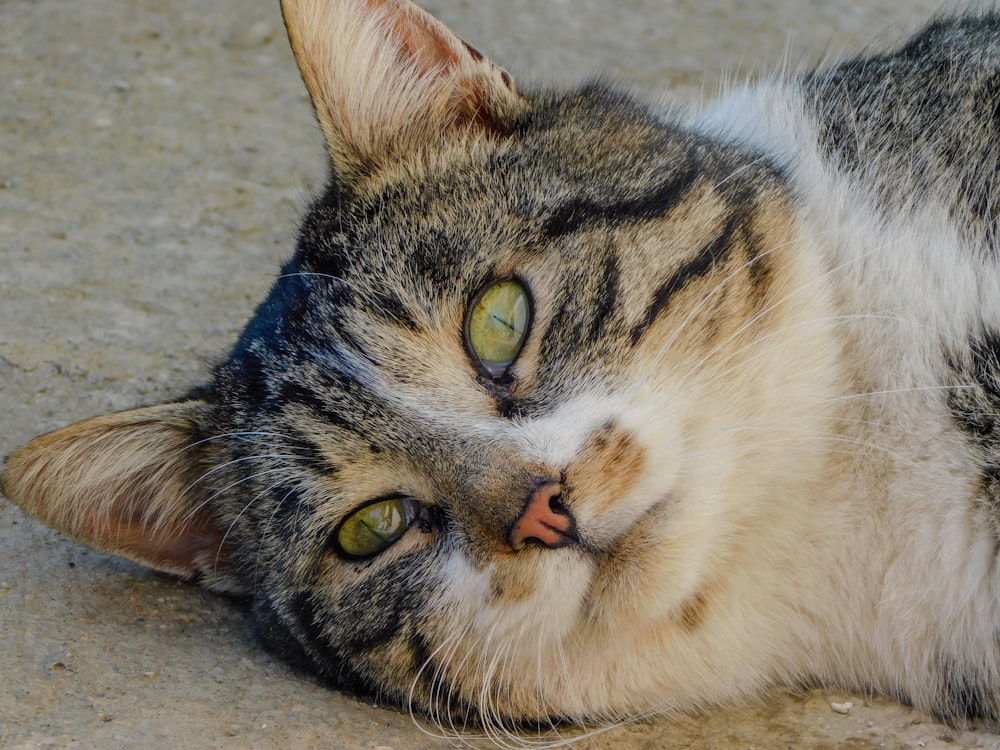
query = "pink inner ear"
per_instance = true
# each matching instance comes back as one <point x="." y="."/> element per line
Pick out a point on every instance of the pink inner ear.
<point x="423" y="42"/>
<point x="388" y="81"/>
<point x="122" y="483"/>
<point x="435" y="52"/>
<point x="188" y="549"/>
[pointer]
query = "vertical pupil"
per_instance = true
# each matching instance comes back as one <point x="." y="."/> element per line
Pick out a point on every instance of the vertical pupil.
<point x="504" y="322"/>
<point x="374" y="527"/>
<point x="498" y="323"/>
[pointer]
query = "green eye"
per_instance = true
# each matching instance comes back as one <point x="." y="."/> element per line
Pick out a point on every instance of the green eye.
<point x="497" y="325"/>
<point x="375" y="527"/>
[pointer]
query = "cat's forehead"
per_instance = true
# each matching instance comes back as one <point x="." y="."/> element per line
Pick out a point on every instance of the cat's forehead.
<point x="452" y="219"/>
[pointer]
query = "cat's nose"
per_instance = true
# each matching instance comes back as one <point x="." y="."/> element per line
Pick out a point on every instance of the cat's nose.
<point x="545" y="520"/>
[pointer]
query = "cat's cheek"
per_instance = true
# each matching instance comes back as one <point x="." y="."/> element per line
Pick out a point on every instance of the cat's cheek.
<point x="538" y="590"/>
<point x="654" y="576"/>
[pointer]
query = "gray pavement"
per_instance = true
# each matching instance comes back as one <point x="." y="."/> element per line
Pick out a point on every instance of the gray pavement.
<point x="154" y="156"/>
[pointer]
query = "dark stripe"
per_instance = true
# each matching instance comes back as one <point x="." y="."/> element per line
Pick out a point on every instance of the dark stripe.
<point x="325" y="259"/>
<point x="435" y="256"/>
<point x="607" y="295"/>
<point x="986" y="364"/>
<point x="964" y="695"/>
<point x="390" y="307"/>
<point x="286" y="513"/>
<point x="974" y="403"/>
<point x="380" y="604"/>
<point x="311" y="453"/>
<point x="698" y="266"/>
<point x="295" y="393"/>
<point x="322" y="246"/>
<point x="340" y="320"/>
<point x="310" y="625"/>
<point x="291" y="644"/>
<point x="246" y="373"/>
<point x="326" y="660"/>
<point x="759" y="267"/>
<point x="653" y="203"/>
<point x="422" y="654"/>
<point x="510" y="408"/>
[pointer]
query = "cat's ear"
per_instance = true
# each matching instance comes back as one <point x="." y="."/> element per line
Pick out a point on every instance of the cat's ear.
<point x="387" y="79"/>
<point x="126" y="484"/>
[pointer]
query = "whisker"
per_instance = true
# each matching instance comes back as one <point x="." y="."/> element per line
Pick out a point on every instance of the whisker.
<point x="275" y="457"/>
<point x="776" y="334"/>
<point x="353" y="287"/>
<point x="446" y="650"/>
<point x="245" y="508"/>
<point x="797" y="439"/>
<point x="264" y="531"/>
<point x="721" y="285"/>
<point x="290" y="471"/>
<point x="896" y="391"/>
<point x="243" y="434"/>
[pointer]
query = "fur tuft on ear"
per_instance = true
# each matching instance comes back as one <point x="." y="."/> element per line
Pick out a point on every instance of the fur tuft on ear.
<point x="126" y="483"/>
<point x="387" y="79"/>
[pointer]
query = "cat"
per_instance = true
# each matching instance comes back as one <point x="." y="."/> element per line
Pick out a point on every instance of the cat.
<point x="567" y="408"/>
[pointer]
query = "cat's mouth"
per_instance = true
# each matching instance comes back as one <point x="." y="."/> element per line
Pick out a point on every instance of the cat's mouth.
<point x="621" y="534"/>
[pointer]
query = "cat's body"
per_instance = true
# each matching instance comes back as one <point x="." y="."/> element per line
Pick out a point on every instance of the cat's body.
<point x="742" y="429"/>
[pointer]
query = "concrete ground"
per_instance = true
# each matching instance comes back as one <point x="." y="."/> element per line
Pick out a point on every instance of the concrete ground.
<point x="154" y="155"/>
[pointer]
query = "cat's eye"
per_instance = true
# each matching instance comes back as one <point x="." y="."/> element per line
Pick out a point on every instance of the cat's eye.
<point x="375" y="527"/>
<point x="497" y="324"/>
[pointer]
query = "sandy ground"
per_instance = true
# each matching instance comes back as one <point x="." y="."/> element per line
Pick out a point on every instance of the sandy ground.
<point x="153" y="158"/>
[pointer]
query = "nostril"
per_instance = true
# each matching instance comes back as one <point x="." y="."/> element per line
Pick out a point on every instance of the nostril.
<point x="545" y="520"/>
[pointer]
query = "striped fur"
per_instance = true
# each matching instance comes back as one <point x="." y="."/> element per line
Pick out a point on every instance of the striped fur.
<point x="763" y="367"/>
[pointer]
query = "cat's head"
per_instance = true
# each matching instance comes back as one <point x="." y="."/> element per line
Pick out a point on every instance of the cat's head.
<point x="515" y="415"/>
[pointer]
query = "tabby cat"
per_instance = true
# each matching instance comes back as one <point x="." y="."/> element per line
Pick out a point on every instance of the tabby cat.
<point x="568" y="408"/>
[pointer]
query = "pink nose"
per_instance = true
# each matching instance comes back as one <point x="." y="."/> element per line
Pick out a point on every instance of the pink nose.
<point x="544" y="521"/>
